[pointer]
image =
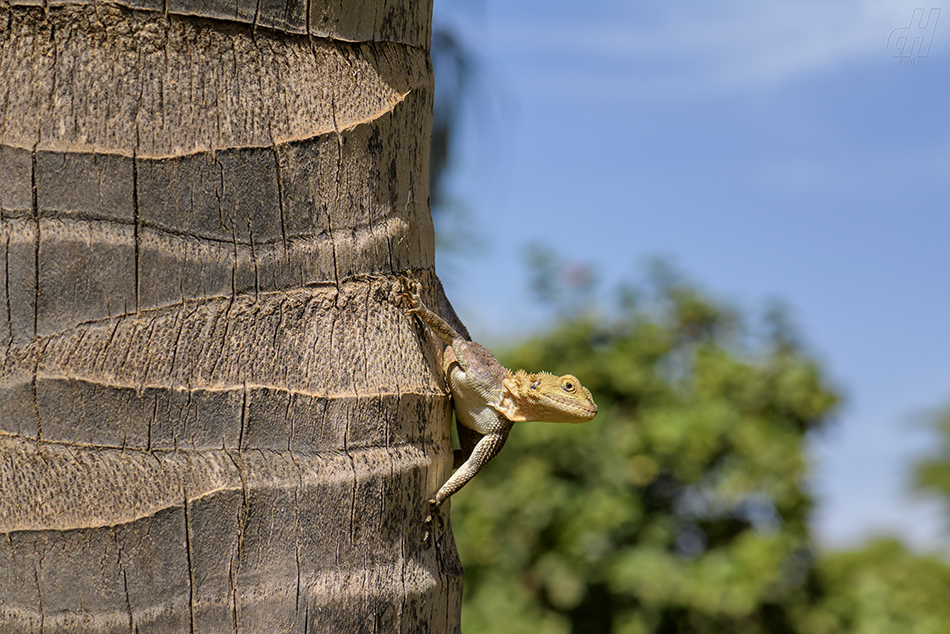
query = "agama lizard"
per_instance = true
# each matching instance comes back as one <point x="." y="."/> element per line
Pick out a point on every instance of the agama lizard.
<point x="489" y="398"/>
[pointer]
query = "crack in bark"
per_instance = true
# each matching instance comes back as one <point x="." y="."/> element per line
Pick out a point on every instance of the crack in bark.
<point x="36" y="248"/>
<point x="240" y="445"/>
<point x="257" y="275"/>
<point x="148" y="358"/>
<point x="238" y="543"/>
<point x="135" y="222"/>
<point x="6" y="288"/>
<point x="191" y="569"/>
<point x="280" y="197"/>
<point x="36" y="403"/>
<point x="125" y="581"/>
<point x="37" y="570"/>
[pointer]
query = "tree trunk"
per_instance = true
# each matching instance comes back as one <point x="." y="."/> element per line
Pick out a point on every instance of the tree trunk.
<point x="214" y="417"/>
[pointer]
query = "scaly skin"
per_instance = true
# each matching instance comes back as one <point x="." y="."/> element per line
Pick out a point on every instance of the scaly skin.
<point x="489" y="398"/>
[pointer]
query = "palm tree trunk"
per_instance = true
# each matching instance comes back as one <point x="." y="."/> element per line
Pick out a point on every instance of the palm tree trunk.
<point x="213" y="415"/>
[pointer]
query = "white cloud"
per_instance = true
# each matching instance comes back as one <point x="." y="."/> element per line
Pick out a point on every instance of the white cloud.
<point x="708" y="49"/>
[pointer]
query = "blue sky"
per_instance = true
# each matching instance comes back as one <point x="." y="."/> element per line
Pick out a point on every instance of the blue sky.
<point x="768" y="150"/>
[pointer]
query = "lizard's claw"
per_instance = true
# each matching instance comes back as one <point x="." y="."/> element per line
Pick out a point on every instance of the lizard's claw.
<point x="410" y="293"/>
<point x="428" y="538"/>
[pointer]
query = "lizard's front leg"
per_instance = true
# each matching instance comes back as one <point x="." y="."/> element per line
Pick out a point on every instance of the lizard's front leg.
<point x="438" y="325"/>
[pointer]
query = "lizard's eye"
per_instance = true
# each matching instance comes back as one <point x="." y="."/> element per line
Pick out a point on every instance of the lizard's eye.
<point x="568" y="386"/>
<point x="535" y="385"/>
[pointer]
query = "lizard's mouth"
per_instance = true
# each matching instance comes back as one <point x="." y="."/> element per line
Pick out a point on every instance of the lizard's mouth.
<point x="583" y="410"/>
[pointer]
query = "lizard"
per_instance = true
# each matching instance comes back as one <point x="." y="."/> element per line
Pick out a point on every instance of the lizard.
<point x="489" y="398"/>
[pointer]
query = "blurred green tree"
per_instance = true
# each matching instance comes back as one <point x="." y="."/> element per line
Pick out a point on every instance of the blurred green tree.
<point x="881" y="588"/>
<point x="932" y="473"/>
<point x="681" y="507"/>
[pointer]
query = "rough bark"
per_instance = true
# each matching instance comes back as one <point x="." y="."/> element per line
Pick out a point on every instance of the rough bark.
<point x="213" y="415"/>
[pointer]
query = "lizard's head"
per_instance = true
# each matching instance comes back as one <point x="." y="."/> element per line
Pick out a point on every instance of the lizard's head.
<point x="549" y="398"/>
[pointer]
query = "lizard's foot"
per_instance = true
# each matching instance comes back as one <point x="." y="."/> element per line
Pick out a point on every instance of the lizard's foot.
<point x="411" y="292"/>
<point x="428" y="538"/>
